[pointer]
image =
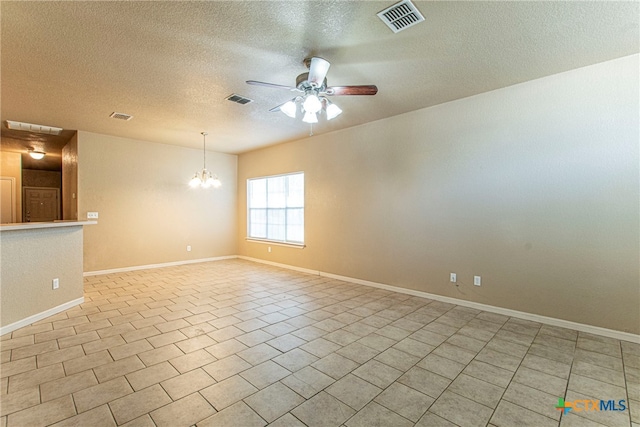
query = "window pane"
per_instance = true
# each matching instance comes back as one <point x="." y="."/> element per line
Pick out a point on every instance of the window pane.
<point x="295" y="225"/>
<point x="258" y="223"/>
<point x="277" y="192"/>
<point x="295" y="196"/>
<point x="276" y="228"/>
<point x="258" y="193"/>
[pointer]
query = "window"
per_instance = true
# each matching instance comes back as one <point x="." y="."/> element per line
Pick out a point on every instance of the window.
<point x="276" y="208"/>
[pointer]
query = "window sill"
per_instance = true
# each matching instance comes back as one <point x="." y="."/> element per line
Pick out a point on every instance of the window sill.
<point x="274" y="243"/>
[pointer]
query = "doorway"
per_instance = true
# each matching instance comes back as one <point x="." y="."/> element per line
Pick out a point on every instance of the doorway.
<point x="41" y="204"/>
<point x="8" y="204"/>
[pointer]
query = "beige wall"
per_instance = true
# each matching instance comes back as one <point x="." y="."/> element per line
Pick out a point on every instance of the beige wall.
<point x="70" y="179"/>
<point x="30" y="260"/>
<point x="11" y="166"/>
<point x="533" y="187"/>
<point x="147" y="212"/>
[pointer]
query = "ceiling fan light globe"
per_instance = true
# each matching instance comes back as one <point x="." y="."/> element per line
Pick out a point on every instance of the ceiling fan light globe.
<point x="312" y="104"/>
<point x="310" y="117"/>
<point x="289" y="108"/>
<point x="333" y="111"/>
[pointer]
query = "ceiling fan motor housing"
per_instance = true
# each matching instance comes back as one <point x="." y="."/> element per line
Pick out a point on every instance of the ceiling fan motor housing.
<point x="302" y="83"/>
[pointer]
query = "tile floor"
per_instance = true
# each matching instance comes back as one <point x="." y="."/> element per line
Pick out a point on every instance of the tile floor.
<point x="235" y="343"/>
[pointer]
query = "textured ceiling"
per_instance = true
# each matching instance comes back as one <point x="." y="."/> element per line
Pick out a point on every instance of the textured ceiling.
<point x="171" y="64"/>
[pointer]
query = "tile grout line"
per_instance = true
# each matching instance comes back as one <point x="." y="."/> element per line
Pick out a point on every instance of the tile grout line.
<point x="313" y="298"/>
<point x="520" y="364"/>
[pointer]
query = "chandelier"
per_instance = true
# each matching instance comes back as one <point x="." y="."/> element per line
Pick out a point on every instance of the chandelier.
<point x="204" y="178"/>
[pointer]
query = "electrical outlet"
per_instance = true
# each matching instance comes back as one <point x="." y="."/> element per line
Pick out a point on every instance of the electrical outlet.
<point x="92" y="215"/>
<point x="56" y="283"/>
<point x="453" y="278"/>
<point x="269" y="249"/>
<point x="477" y="280"/>
<point x="188" y="248"/>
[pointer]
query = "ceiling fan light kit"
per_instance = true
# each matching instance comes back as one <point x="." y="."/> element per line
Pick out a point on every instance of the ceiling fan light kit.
<point x="314" y="90"/>
<point x="289" y="108"/>
<point x="310" y="118"/>
<point x="332" y="110"/>
<point x="204" y="178"/>
<point x="312" y="103"/>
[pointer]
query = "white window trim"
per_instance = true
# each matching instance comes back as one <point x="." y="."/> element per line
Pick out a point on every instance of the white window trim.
<point x="275" y="243"/>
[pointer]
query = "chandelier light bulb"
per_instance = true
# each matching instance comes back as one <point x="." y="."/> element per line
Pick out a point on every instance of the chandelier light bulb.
<point x="195" y="181"/>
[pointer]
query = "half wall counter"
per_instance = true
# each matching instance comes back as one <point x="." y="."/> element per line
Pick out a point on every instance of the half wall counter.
<point x="32" y="256"/>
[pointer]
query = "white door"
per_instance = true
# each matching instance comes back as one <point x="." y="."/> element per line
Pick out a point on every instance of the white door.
<point x="8" y="203"/>
<point x="41" y="204"/>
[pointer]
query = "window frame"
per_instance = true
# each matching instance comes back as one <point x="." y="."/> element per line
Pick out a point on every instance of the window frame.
<point x="267" y="240"/>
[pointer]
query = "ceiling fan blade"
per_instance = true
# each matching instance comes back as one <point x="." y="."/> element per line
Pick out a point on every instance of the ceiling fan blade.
<point x="273" y="85"/>
<point x="352" y="90"/>
<point x="318" y="71"/>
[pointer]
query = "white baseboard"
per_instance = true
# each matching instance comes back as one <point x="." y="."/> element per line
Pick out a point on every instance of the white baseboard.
<point x="275" y="264"/>
<point x="164" y="264"/>
<point x="611" y="333"/>
<point x="32" y="319"/>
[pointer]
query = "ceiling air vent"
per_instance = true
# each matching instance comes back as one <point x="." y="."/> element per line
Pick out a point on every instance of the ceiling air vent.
<point x="238" y="99"/>
<point x="30" y="127"/>
<point x="120" y="116"/>
<point x="401" y="16"/>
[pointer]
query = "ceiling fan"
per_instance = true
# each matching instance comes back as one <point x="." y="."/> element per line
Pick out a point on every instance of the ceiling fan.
<point x="313" y="90"/>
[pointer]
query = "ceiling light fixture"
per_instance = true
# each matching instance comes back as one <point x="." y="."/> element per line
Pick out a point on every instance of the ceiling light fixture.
<point x="311" y="105"/>
<point x="36" y="155"/>
<point x="204" y="178"/>
<point x="313" y="89"/>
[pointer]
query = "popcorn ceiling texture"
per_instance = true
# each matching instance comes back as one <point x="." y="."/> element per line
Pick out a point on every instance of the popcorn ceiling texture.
<point x="171" y="64"/>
